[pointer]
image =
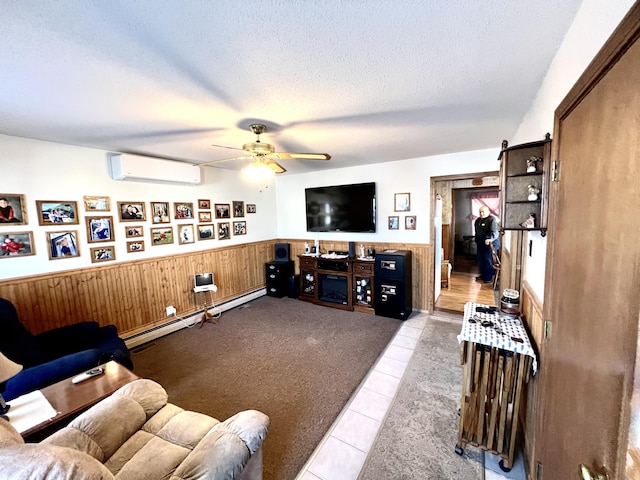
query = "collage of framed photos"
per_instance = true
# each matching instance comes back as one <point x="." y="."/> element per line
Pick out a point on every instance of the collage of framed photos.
<point x="63" y="241"/>
<point x="402" y="203"/>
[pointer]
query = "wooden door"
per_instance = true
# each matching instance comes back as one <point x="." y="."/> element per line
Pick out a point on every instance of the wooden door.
<point x="593" y="267"/>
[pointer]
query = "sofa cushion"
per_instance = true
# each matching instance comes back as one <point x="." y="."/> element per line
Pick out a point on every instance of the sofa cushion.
<point x="156" y="459"/>
<point x="66" y="339"/>
<point x="16" y="342"/>
<point x="49" y="462"/>
<point x="161" y="445"/>
<point x="147" y="393"/>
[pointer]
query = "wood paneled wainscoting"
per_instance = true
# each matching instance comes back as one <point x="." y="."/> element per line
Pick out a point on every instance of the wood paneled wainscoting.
<point x="133" y="295"/>
<point x="531" y="309"/>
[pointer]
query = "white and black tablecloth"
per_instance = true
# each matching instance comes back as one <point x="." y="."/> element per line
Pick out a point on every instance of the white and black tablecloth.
<point x="499" y="331"/>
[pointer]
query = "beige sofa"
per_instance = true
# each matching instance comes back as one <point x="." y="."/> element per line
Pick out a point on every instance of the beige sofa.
<point x="135" y="434"/>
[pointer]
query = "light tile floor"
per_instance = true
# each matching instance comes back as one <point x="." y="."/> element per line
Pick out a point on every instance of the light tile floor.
<point x="343" y="451"/>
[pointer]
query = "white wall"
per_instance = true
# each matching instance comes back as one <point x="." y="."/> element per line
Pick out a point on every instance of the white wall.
<point x="412" y="176"/>
<point x="51" y="171"/>
<point x="594" y="23"/>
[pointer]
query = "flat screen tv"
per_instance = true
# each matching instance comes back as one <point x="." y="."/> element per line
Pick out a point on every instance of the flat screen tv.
<point x="341" y="208"/>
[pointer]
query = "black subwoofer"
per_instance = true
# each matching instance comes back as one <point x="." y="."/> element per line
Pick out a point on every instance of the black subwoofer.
<point x="281" y="252"/>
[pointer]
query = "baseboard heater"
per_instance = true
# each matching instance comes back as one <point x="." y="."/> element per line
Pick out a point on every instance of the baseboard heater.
<point x="182" y="322"/>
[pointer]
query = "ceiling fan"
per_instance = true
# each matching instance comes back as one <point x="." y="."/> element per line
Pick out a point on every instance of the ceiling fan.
<point x="264" y="154"/>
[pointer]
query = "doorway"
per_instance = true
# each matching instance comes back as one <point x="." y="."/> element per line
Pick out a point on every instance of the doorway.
<point x="461" y="283"/>
<point x="466" y="203"/>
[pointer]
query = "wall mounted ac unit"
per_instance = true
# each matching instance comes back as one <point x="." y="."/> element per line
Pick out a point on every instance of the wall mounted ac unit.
<point x="136" y="168"/>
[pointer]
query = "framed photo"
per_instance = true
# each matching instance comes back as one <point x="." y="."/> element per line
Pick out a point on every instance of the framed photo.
<point x="99" y="229"/>
<point x="224" y="231"/>
<point x="160" y="212"/>
<point x="222" y="210"/>
<point x="12" y="209"/>
<point x="131" y="211"/>
<point x="185" y="234"/>
<point x="182" y="211"/>
<point x="134" y="231"/>
<point x="204" y="217"/>
<point x="16" y="244"/>
<point x="394" y="223"/>
<point x="161" y="236"/>
<point x="52" y="212"/>
<point x="238" y="208"/>
<point x="410" y="222"/>
<point x="402" y="202"/>
<point x="135" y="246"/>
<point x="204" y="204"/>
<point x="251" y="208"/>
<point x="63" y="245"/>
<point x="96" y="204"/>
<point x="239" y="228"/>
<point x="102" y="254"/>
<point x="205" y="232"/>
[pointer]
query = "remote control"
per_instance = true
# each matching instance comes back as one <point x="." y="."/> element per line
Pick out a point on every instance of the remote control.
<point x="87" y="375"/>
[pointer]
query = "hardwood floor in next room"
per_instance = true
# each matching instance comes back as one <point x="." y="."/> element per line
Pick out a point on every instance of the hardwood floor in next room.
<point x="464" y="288"/>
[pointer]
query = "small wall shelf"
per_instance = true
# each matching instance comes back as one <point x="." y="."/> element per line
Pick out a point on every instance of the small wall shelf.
<point x="524" y="174"/>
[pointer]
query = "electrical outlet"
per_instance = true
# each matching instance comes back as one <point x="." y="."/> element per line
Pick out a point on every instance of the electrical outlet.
<point x="171" y="310"/>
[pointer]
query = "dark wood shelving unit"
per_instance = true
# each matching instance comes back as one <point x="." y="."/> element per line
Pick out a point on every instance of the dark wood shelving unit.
<point x="516" y="181"/>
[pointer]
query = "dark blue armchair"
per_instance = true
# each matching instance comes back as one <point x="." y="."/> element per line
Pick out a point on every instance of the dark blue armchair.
<point x="56" y="354"/>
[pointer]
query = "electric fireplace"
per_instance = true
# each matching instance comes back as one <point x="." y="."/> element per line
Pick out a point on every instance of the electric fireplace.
<point x="333" y="288"/>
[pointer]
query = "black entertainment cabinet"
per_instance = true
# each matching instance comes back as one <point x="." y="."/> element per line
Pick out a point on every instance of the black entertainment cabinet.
<point x="382" y="285"/>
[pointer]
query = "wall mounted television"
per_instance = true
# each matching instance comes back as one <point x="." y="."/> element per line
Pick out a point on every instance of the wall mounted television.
<point x="341" y="208"/>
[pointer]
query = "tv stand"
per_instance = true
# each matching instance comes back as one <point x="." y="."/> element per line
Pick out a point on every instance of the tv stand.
<point x="337" y="281"/>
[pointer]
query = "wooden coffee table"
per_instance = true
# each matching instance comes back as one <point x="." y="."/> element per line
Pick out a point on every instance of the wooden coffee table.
<point x="69" y="399"/>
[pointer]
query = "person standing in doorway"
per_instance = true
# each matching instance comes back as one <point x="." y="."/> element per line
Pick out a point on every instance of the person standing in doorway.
<point x="487" y="233"/>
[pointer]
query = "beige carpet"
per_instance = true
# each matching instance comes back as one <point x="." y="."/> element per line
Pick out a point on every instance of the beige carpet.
<point x="297" y="362"/>
<point x="418" y="437"/>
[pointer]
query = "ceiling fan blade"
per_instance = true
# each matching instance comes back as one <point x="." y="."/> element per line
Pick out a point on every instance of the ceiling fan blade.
<point x="273" y="165"/>
<point x="303" y="156"/>
<point x="244" y="157"/>
<point x="225" y="146"/>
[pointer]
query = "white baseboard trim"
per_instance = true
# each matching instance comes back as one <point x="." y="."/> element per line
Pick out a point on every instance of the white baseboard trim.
<point x="189" y="320"/>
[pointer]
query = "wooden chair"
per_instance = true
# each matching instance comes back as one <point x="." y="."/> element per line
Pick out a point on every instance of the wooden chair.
<point x="496" y="267"/>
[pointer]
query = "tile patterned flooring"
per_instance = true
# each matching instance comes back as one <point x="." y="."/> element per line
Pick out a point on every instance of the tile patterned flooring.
<point x="343" y="451"/>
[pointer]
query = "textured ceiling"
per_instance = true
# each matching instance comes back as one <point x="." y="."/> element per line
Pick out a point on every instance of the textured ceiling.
<point x="366" y="81"/>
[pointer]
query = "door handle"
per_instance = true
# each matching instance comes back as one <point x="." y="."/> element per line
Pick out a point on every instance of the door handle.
<point x="587" y="474"/>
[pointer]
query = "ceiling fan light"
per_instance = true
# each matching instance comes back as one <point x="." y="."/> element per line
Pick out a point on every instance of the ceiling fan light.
<point x="259" y="148"/>
<point x="258" y="171"/>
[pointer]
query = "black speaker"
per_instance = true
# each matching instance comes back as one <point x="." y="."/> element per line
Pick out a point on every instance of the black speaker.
<point x="293" y="285"/>
<point x="281" y="252"/>
<point x="352" y="249"/>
